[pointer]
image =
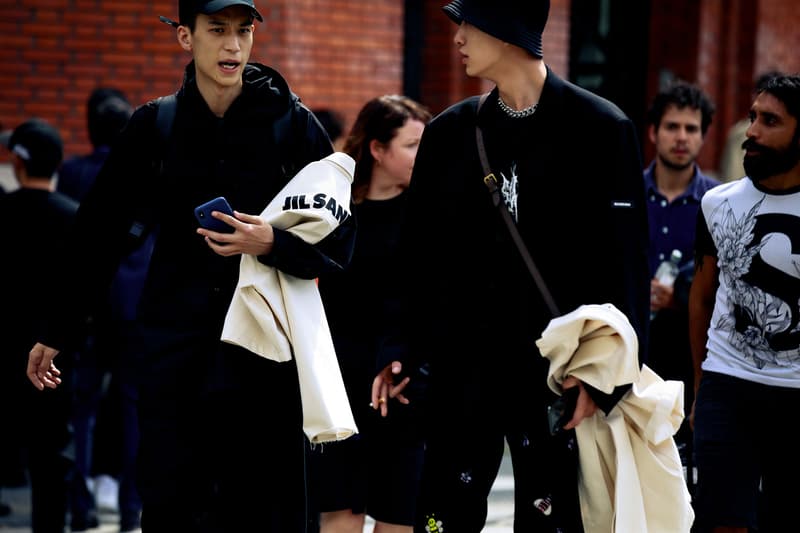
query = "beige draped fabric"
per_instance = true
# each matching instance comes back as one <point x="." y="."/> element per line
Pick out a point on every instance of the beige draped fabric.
<point x="280" y="317"/>
<point x="631" y="477"/>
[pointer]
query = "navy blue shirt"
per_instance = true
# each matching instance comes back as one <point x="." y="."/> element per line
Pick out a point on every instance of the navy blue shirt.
<point x="672" y="224"/>
<point x="77" y="174"/>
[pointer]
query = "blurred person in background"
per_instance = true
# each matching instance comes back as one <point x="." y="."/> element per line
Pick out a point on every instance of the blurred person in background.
<point x="12" y="467"/>
<point x="104" y="416"/>
<point x="107" y="112"/>
<point x="363" y="308"/>
<point x="678" y="118"/>
<point x="35" y="221"/>
<point x="333" y="122"/>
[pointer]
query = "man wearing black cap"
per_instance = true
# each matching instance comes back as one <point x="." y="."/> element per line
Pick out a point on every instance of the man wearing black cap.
<point x="34" y="221"/>
<point x="568" y="168"/>
<point x="222" y="446"/>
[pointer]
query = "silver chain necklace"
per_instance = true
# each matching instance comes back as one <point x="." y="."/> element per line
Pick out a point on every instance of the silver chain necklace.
<point x="513" y="113"/>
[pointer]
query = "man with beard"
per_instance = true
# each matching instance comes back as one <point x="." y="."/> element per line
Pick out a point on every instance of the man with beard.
<point x="679" y="118"/>
<point x="744" y="313"/>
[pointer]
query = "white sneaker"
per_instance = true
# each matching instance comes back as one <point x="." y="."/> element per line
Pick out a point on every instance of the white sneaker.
<point x="106" y="493"/>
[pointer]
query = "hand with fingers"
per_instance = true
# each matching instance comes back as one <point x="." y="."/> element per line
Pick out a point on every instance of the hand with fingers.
<point x="41" y="370"/>
<point x="384" y="387"/>
<point x="251" y="235"/>
<point x="584" y="407"/>
<point x="661" y="296"/>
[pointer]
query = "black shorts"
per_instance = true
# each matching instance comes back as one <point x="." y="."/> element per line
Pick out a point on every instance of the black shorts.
<point x="376" y="472"/>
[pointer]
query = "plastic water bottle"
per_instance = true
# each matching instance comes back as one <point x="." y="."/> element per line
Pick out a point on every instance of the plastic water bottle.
<point x="667" y="271"/>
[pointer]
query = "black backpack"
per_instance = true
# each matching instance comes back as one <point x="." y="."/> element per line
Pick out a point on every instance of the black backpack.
<point x="167" y="108"/>
<point x="132" y="272"/>
<point x="128" y="283"/>
<point x="144" y="222"/>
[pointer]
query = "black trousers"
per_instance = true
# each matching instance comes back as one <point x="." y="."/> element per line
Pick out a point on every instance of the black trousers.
<point x="50" y="447"/>
<point x="222" y="447"/>
<point x="462" y="462"/>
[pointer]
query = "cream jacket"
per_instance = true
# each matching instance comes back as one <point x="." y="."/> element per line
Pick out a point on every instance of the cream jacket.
<point x="279" y="316"/>
<point x="631" y="477"/>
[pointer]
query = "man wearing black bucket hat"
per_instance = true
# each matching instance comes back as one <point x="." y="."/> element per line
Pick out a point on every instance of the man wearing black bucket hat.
<point x="569" y="170"/>
<point x="221" y="439"/>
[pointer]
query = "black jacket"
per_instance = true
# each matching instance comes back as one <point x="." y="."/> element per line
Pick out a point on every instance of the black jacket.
<point x="238" y="156"/>
<point x="35" y="224"/>
<point x="475" y="311"/>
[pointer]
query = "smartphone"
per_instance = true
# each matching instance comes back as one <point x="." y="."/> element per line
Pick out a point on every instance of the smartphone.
<point x="561" y="411"/>
<point x="204" y="218"/>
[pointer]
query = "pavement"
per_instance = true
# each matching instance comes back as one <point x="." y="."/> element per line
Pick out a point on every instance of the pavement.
<point x="499" y="519"/>
<point x="7" y="180"/>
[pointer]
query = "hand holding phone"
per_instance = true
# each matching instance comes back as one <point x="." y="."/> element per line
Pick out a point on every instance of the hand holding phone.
<point x="204" y="218"/>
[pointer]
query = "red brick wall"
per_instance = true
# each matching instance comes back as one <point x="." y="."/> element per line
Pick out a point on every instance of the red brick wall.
<point x="778" y="38"/>
<point x="556" y="37"/>
<point x="723" y="45"/>
<point x="730" y="70"/>
<point x="60" y="51"/>
<point x="340" y="53"/>
<point x="336" y="53"/>
<point x="714" y="71"/>
<point x="674" y="30"/>
<point x="444" y="81"/>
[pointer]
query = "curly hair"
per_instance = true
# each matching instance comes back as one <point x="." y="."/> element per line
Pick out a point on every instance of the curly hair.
<point x="784" y="87"/>
<point x="681" y="94"/>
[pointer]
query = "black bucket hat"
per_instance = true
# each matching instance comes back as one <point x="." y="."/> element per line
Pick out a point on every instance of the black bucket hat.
<point x="518" y="22"/>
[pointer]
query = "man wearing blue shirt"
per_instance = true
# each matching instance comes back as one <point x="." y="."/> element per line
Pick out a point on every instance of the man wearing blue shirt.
<point x="678" y="118"/>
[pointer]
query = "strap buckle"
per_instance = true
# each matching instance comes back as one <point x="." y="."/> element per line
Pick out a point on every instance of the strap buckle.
<point x="491" y="183"/>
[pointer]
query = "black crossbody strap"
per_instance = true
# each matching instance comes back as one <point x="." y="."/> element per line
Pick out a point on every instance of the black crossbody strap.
<point x="491" y="183"/>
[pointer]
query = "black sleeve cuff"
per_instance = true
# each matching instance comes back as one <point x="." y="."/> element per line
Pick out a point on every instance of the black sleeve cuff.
<point x="606" y="402"/>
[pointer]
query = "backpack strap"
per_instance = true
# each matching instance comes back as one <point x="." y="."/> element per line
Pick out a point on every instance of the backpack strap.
<point x="284" y="134"/>
<point x="166" y="109"/>
<point x="165" y="118"/>
<point x="488" y="174"/>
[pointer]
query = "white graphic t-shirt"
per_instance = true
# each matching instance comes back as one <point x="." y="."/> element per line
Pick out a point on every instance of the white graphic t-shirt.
<point x="754" y="333"/>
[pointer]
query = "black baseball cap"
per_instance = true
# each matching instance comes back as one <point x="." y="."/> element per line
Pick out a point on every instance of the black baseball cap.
<point x="187" y="9"/>
<point x="39" y="145"/>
